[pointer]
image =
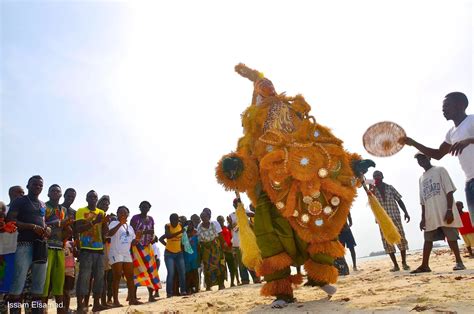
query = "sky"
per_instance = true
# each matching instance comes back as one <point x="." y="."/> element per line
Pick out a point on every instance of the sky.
<point x="139" y="100"/>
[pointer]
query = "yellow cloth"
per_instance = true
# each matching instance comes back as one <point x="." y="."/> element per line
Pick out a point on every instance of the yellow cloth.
<point x="468" y="239"/>
<point x="173" y="245"/>
<point x="92" y="238"/>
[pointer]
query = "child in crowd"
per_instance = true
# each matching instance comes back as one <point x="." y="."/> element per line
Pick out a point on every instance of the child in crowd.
<point x="70" y="265"/>
<point x="156" y="250"/>
<point x="191" y="260"/>
<point x="227" y="249"/>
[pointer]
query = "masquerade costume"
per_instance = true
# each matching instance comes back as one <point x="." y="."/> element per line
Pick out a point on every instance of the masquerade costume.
<point x="301" y="181"/>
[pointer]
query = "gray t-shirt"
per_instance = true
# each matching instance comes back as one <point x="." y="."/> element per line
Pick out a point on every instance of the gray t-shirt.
<point x="434" y="185"/>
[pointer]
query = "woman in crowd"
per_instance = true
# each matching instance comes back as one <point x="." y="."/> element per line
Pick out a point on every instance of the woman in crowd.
<point x="210" y="243"/>
<point x="174" y="259"/>
<point x="191" y="260"/>
<point x="122" y="238"/>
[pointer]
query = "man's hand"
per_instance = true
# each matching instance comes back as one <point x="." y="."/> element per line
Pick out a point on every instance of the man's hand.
<point x="123" y="220"/>
<point x="97" y="219"/>
<point x="67" y="232"/>
<point x="457" y="148"/>
<point x="407" y="217"/>
<point x="449" y="218"/>
<point x="65" y="223"/>
<point x="406" y="141"/>
<point x="46" y="232"/>
<point x="107" y="219"/>
<point x="38" y="230"/>
<point x="422" y="225"/>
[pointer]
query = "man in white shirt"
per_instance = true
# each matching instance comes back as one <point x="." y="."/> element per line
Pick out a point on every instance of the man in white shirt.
<point x="439" y="217"/>
<point x="458" y="141"/>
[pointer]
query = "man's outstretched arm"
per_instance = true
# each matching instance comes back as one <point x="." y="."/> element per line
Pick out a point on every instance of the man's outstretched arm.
<point x="430" y="152"/>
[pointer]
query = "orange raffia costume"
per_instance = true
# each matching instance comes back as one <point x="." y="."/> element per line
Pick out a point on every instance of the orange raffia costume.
<point x="302" y="182"/>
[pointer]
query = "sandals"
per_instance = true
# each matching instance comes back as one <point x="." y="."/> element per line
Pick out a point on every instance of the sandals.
<point x="405" y="267"/>
<point x="421" y="269"/>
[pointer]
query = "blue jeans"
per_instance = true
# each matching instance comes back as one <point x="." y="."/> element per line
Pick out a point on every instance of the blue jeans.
<point x="23" y="261"/>
<point x="470" y="198"/>
<point x="175" y="261"/>
<point x="90" y="264"/>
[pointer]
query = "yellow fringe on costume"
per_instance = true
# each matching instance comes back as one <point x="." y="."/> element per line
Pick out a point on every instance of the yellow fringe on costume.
<point x="321" y="272"/>
<point x="274" y="263"/>
<point x="251" y="256"/>
<point x="390" y="232"/>
<point x="282" y="286"/>
<point x="331" y="248"/>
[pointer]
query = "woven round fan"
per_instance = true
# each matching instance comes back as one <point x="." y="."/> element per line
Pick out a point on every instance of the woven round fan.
<point x="381" y="139"/>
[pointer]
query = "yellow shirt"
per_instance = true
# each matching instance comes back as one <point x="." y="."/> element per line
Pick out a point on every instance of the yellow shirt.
<point x="173" y="245"/>
<point x="92" y="238"/>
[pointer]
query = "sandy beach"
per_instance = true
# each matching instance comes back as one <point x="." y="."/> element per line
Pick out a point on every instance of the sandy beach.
<point x="371" y="289"/>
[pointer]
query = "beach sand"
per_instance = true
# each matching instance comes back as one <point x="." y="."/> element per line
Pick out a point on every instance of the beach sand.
<point x="371" y="289"/>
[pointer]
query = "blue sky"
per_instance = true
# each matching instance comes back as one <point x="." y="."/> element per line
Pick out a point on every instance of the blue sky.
<point x="139" y="99"/>
<point x="57" y="116"/>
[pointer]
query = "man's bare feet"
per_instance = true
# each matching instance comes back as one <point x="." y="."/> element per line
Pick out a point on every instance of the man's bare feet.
<point x="99" y="307"/>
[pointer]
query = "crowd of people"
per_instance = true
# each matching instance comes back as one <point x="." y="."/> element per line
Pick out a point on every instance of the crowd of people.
<point x="201" y="245"/>
<point x="50" y="250"/>
<point x="442" y="218"/>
